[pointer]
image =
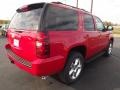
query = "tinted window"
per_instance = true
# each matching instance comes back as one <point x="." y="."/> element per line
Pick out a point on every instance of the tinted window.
<point x="28" y="20"/>
<point x="99" y="24"/>
<point x="88" y="23"/>
<point x="58" y="18"/>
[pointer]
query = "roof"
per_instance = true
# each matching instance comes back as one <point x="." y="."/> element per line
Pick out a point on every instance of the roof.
<point x="37" y="5"/>
<point x="76" y="8"/>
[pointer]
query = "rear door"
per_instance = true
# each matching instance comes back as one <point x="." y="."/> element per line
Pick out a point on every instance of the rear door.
<point x="92" y="36"/>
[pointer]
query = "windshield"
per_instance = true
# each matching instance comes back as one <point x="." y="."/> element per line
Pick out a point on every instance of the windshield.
<point x="28" y="20"/>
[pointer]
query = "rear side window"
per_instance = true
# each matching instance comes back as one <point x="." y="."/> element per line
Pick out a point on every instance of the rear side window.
<point x="88" y="23"/>
<point x="58" y="18"/>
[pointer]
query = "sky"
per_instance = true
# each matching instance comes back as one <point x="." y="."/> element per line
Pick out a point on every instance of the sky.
<point x="107" y="10"/>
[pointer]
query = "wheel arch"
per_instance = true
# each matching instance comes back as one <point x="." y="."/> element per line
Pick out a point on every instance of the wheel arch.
<point x="81" y="49"/>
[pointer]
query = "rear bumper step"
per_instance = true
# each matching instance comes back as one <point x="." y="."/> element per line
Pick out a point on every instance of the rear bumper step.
<point x="18" y="59"/>
<point x="38" y="67"/>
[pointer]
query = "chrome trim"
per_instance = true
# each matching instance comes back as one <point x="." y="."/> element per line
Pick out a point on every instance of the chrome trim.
<point x="19" y="59"/>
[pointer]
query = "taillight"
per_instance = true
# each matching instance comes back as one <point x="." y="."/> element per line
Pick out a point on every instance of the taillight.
<point x="42" y="45"/>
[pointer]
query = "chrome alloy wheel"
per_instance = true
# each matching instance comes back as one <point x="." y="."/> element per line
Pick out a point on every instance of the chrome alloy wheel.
<point x="110" y="49"/>
<point x="75" y="69"/>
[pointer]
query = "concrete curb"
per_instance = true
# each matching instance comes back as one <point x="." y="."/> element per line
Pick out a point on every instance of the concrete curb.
<point x="116" y="35"/>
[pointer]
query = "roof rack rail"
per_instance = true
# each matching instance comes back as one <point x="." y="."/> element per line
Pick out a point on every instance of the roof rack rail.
<point x="71" y="6"/>
<point x="84" y="10"/>
<point x="65" y="4"/>
<point x="57" y="2"/>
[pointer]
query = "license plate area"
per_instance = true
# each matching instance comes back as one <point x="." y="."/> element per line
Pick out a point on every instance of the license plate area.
<point x="16" y="42"/>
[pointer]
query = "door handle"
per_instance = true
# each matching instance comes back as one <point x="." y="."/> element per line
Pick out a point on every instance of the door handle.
<point x="86" y="36"/>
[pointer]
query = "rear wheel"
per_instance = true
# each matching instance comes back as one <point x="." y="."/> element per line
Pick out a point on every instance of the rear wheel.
<point x="72" y="69"/>
<point x="108" y="52"/>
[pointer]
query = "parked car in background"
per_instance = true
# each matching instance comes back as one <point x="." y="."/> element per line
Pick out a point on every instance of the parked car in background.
<point x="0" y="30"/>
<point x="4" y="28"/>
<point x="55" y="38"/>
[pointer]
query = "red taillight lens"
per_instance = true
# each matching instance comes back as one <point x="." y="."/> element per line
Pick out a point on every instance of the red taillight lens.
<point x="42" y="45"/>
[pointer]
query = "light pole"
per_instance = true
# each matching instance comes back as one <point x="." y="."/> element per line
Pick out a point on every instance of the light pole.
<point x="91" y="6"/>
<point x="77" y="4"/>
<point x="65" y="2"/>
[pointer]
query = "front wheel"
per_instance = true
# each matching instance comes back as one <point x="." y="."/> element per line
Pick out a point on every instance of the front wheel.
<point x="108" y="52"/>
<point x="73" y="68"/>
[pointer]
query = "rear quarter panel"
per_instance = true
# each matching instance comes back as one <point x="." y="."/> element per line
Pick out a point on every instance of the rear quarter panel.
<point x="61" y="42"/>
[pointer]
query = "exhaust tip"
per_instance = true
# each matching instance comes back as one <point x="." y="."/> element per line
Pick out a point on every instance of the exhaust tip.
<point x="12" y="62"/>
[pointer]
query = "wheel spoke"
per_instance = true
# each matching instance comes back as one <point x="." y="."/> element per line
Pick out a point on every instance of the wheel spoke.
<point x="71" y="71"/>
<point x="76" y="62"/>
<point x="74" y="74"/>
<point x="78" y="71"/>
<point x="110" y="49"/>
<point x="75" y="69"/>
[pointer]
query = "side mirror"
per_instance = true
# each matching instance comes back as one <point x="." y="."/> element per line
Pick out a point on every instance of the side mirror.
<point x="109" y="28"/>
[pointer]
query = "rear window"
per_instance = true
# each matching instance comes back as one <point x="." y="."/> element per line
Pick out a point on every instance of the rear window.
<point x="27" y="18"/>
<point x="58" y="18"/>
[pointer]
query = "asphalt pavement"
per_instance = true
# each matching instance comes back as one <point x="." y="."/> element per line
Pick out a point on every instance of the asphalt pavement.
<point x="101" y="74"/>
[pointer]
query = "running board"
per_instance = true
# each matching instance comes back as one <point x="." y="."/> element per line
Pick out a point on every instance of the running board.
<point x="94" y="57"/>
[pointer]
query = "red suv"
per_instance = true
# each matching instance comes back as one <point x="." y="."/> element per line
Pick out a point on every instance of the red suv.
<point x="54" y="38"/>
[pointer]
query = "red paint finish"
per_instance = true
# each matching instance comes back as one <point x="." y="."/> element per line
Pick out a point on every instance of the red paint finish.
<point x="47" y="51"/>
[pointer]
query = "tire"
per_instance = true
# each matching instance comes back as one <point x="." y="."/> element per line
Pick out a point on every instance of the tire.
<point x="73" y="68"/>
<point x="108" y="51"/>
